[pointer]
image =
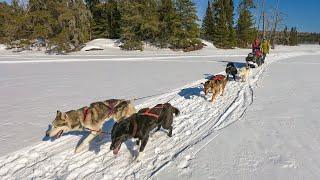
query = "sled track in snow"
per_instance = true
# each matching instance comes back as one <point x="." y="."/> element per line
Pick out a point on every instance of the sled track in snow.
<point x="199" y="118"/>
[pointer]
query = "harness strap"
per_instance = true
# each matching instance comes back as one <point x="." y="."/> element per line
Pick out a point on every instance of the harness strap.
<point x="85" y="113"/>
<point x="148" y="113"/>
<point x="218" y="77"/>
<point x="111" y="109"/>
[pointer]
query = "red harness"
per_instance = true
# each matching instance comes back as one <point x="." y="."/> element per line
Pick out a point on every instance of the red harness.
<point x="111" y="109"/>
<point x="85" y="113"/>
<point x="218" y="77"/>
<point x="148" y="113"/>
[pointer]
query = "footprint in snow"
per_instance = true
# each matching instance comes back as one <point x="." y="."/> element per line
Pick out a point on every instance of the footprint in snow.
<point x="157" y="150"/>
<point x="185" y="162"/>
<point x="188" y="133"/>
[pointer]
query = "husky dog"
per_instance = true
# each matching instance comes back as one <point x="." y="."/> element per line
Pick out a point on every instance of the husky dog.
<point x="141" y="123"/>
<point x="90" y="118"/>
<point x="244" y="73"/>
<point x="231" y="70"/>
<point x="216" y="85"/>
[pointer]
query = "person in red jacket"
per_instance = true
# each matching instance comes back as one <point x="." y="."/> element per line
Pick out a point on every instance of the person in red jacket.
<point x="256" y="50"/>
<point x="256" y="47"/>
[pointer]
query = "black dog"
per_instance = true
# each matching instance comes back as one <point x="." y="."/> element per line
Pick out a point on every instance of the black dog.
<point x="141" y="123"/>
<point x="231" y="70"/>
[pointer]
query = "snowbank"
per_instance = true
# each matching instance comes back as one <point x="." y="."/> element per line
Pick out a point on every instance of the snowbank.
<point x="2" y="47"/>
<point x="101" y="44"/>
<point x="209" y="45"/>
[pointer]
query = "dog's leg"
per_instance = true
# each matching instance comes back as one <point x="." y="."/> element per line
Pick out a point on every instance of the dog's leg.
<point x="159" y="127"/>
<point x="86" y="142"/>
<point x="170" y="131"/>
<point x="144" y="142"/>
<point x="143" y="145"/>
<point x="213" y="96"/>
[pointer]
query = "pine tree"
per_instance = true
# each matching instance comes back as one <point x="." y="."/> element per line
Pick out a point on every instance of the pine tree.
<point x="187" y="30"/>
<point x="3" y="14"/>
<point x="285" y="39"/>
<point x="245" y="30"/>
<point x="293" y="37"/>
<point x="131" y="22"/>
<point x="73" y="25"/>
<point x="207" y="29"/>
<point x="167" y="23"/>
<point x="221" y="33"/>
<point x="41" y="19"/>
<point x="106" y="18"/>
<point x="15" y="24"/>
<point x="232" y="36"/>
<point x="91" y="4"/>
<point x="113" y="18"/>
<point x="150" y="21"/>
<point x="98" y="22"/>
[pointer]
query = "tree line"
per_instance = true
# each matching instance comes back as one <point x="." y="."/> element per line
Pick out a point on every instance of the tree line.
<point x="218" y="24"/>
<point x="69" y="24"/>
<point x="63" y="23"/>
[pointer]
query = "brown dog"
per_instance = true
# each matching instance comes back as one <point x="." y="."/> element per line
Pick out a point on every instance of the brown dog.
<point x="216" y="85"/>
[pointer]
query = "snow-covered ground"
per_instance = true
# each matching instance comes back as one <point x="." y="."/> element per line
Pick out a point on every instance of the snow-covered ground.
<point x="268" y="142"/>
<point x="277" y="138"/>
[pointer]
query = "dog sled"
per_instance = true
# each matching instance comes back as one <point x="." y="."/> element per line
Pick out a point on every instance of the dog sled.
<point x="254" y="60"/>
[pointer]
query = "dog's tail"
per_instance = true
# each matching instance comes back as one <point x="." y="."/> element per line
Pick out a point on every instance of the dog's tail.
<point x="176" y="111"/>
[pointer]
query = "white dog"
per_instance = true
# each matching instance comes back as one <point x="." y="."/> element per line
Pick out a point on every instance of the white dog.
<point x="244" y="73"/>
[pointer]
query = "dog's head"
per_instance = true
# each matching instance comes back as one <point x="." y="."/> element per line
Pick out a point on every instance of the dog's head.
<point x="119" y="134"/>
<point x="60" y="125"/>
<point x="206" y="87"/>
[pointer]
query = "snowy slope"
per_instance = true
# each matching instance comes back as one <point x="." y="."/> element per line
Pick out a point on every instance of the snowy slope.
<point x="199" y="124"/>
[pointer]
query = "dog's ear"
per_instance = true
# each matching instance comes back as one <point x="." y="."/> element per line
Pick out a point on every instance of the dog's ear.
<point x="64" y="115"/>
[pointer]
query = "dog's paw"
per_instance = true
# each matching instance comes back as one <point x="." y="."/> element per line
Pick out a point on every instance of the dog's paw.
<point x="139" y="157"/>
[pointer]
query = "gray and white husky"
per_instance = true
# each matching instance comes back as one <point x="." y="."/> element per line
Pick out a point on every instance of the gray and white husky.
<point x="91" y="118"/>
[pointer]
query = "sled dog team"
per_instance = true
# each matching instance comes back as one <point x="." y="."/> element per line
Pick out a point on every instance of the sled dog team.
<point x="130" y="123"/>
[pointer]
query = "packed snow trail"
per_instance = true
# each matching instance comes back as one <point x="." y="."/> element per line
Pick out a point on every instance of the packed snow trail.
<point x="199" y="119"/>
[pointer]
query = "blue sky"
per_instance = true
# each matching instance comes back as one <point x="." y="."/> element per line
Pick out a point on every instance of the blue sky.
<point x="304" y="14"/>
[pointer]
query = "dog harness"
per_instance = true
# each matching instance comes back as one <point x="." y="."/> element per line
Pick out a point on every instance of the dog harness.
<point x="85" y="113"/>
<point x="218" y="77"/>
<point x="148" y="113"/>
<point x="111" y="109"/>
